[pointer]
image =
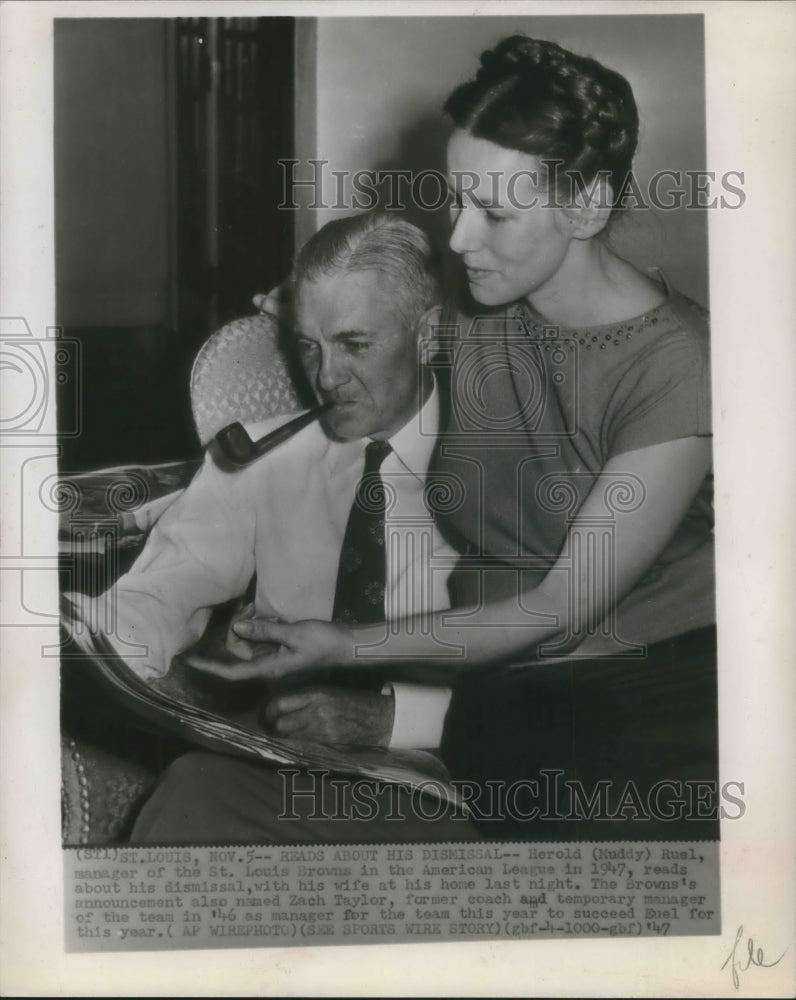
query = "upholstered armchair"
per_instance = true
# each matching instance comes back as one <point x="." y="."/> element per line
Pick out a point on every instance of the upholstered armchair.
<point x="109" y="761"/>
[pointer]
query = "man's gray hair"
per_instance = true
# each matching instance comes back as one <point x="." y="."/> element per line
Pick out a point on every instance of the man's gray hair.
<point x="376" y="241"/>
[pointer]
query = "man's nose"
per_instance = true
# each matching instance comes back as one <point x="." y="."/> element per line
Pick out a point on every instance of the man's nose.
<point x="331" y="372"/>
<point x="464" y="237"/>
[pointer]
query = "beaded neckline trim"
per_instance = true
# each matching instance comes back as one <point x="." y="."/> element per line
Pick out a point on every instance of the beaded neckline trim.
<point x="590" y="336"/>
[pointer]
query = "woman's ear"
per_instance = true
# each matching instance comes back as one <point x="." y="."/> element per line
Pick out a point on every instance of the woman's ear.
<point x="590" y="209"/>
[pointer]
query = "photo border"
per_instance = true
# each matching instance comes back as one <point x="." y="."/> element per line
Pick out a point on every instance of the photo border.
<point x="750" y="106"/>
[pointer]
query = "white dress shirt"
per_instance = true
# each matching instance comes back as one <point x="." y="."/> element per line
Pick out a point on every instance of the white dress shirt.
<point x="284" y="517"/>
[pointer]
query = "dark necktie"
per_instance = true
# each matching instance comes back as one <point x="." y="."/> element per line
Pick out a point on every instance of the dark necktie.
<point x="362" y="573"/>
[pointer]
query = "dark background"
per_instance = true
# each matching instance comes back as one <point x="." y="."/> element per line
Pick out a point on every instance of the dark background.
<point x="167" y="133"/>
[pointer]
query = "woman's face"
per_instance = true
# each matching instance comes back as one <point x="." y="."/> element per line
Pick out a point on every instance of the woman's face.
<point x="512" y="240"/>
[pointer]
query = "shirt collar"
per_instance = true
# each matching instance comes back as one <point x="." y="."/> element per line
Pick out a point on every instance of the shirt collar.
<point x="415" y="441"/>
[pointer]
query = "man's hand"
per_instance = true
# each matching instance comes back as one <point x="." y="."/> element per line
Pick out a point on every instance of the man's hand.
<point x="328" y="714"/>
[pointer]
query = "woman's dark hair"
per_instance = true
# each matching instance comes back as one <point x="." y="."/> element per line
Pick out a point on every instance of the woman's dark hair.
<point x="538" y="98"/>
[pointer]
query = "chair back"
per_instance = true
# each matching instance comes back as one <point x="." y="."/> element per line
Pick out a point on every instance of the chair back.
<point x="242" y="372"/>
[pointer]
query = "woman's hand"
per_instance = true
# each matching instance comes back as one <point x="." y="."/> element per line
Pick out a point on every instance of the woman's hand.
<point x="245" y="649"/>
<point x="301" y="646"/>
<point x="235" y="645"/>
<point x="278" y="303"/>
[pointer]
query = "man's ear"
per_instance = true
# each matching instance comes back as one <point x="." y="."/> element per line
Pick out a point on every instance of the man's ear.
<point x="428" y="328"/>
<point x="590" y="210"/>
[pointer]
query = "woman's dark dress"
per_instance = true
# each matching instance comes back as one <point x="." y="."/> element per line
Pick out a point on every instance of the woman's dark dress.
<point x="536" y="413"/>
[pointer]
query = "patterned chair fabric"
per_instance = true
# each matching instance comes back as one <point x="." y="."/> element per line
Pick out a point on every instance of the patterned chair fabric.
<point x="242" y="372"/>
<point x="99" y="789"/>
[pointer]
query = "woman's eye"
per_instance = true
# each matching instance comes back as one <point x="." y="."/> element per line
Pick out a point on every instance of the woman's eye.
<point x="494" y="217"/>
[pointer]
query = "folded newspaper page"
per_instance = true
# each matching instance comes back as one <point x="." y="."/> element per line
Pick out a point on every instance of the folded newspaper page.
<point x="417" y="769"/>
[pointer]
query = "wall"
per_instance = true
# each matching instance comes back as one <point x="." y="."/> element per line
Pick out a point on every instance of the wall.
<point x="380" y="83"/>
<point x="111" y="180"/>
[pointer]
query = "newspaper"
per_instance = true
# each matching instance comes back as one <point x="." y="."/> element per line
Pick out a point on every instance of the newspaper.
<point x="416" y="769"/>
<point x="418" y="918"/>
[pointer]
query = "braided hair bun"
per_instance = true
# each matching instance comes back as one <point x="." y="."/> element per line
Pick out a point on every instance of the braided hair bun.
<point x="536" y="97"/>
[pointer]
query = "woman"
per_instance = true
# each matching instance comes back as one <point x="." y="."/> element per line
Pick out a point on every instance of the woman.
<point x="577" y="468"/>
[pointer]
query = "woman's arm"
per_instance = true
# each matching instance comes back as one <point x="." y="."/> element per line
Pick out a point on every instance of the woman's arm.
<point x="625" y="522"/>
<point x="586" y="581"/>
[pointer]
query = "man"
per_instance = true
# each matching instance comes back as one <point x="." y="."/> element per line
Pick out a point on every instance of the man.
<point x="363" y="286"/>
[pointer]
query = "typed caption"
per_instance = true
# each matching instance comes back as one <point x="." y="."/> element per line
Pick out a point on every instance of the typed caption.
<point x="127" y="899"/>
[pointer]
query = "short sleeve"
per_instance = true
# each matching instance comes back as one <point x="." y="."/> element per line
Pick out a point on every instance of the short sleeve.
<point x="664" y="396"/>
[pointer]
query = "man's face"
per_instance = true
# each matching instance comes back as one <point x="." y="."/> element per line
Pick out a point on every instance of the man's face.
<point x="358" y="353"/>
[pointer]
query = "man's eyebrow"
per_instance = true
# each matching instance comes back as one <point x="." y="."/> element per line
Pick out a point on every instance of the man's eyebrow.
<point x="339" y="337"/>
<point x="349" y="335"/>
